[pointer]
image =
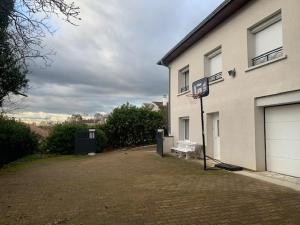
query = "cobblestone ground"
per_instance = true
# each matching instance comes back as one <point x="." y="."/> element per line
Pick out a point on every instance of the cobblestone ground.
<point x="139" y="187"/>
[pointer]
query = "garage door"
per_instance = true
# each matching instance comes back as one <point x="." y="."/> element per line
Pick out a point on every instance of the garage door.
<point x="283" y="139"/>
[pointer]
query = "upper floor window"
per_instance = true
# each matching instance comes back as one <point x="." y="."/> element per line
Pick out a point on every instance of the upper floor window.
<point x="266" y="40"/>
<point x="183" y="80"/>
<point x="213" y="65"/>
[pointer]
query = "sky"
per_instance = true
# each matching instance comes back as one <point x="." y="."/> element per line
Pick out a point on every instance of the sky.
<point x="110" y="57"/>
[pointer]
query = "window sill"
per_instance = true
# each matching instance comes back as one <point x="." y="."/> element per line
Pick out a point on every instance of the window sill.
<point x="216" y="81"/>
<point x="183" y="93"/>
<point x="266" y="63"/>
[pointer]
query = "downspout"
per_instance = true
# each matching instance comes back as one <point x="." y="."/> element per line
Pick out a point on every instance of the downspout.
<point x="169" y="104"/>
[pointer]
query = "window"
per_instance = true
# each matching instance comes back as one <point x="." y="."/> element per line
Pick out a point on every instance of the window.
<point x="214" y="65"/>
<point x="266" y="40"/>
<point x="184" y="126"/>
<point x="183" y="80"/>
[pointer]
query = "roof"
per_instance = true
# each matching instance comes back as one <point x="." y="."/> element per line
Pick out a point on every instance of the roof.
<point x="220" y="14"/>
<point x="159" y="104"/>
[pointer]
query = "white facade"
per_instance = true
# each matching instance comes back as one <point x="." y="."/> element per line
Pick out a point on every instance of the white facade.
<point x="237" y="109"/>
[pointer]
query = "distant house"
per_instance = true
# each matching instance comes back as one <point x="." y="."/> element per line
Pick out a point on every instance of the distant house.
<point x="250" y="52"/>
<point x="154" y="106"/>
<point x="99" y="118"/>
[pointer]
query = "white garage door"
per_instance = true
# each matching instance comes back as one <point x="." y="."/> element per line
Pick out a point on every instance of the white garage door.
<point x="283" y="139"/>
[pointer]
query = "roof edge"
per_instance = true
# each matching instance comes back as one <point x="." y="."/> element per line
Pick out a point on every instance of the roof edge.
<point x="216" y="17"/>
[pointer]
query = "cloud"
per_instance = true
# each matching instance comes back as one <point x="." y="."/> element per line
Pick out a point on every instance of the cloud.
<point x="110" y="58"/>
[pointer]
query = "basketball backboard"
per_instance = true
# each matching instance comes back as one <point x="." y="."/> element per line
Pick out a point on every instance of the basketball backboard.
<point x="200" y="87"/>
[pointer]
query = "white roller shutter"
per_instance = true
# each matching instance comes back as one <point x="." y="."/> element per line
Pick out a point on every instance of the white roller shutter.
<point x="283" y="139"/>
<point x="215" y="64"/>
<point x="268" y="39"/>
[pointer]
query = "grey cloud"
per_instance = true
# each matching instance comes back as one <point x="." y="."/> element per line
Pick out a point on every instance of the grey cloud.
<point x="110" y="57"/>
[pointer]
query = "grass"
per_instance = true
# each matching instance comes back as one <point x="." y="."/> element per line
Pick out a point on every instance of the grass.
<point x="35" y="159"/>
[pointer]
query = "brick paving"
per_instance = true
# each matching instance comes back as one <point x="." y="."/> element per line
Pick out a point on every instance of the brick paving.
<point x="139" y="187"/>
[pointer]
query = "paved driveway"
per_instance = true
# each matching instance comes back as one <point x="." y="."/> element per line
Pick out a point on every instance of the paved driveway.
<point x="139" y="187"/>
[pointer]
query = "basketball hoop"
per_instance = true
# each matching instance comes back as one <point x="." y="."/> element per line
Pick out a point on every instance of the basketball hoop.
<point x="200" y="89"/>
<point x="194" y="96"/>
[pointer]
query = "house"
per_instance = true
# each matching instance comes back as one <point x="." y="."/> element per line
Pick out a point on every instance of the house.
<point x="250" y="52"/>
<point x="156" y="106"/>
<point x="100" y="118"/>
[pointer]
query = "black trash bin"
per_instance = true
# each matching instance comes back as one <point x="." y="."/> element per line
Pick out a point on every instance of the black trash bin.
<point x="160" y="142"/>
<point x="85" y="142"/>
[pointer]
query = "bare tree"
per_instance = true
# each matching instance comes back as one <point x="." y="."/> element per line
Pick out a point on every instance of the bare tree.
<point x="29" y="24"/>
<point x="75" y="118"/>
<point x="23" y="26"/>
<point x="10" y="105"/>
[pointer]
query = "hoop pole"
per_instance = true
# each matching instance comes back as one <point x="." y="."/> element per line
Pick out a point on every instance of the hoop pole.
<point x="203" y="135"/>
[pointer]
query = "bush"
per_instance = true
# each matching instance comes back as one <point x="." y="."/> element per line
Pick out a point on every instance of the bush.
<point x="129" y="125"/>
<point x="101" y="140"/>
<point x="61" y="139"/>
<point x="16" y="140"/>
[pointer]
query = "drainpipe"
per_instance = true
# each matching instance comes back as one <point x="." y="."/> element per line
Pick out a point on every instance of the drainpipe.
<point x="169" y="104"/>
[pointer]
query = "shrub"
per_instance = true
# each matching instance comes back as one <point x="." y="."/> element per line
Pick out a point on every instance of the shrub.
<point x="129" y="125"/>
<point x="16" y="140"/>
<point x="101" y="140"/>
<point x="61" y="139"/>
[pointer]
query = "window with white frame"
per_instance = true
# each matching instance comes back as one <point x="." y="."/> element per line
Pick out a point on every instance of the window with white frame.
<point x="214" y="65"/>
<point x="266" y="40"/>
<point x="183" y="80"/>
<point x="184" y="126"/>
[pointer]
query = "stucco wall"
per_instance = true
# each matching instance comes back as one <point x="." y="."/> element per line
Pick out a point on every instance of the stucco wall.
<point x="241" y="123"/>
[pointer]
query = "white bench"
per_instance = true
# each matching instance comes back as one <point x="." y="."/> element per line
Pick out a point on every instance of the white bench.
<point x="185" y="147"/>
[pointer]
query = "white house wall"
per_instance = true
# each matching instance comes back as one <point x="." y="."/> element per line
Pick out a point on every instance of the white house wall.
<point x="242" y="139"/>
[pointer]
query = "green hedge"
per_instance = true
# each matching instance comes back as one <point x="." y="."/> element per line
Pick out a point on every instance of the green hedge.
<point x="101" y="139"/>
<point x="61" y="139"/>
<point x="16" y="140"/>
<point x="129" y="125"/>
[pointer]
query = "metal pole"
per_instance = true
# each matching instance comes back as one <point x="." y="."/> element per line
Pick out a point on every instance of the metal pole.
<point x="203" y="136"/>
